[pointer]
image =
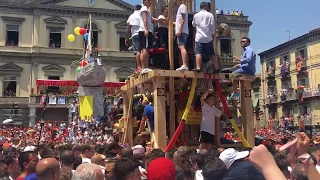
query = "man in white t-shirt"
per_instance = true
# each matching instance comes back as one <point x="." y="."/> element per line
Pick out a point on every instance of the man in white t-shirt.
<point x="163" y="27"/>
<point x="145" y="36"/>
<point x="204" y="23"/>
<point x="133" y="25"/>
<point x="182" y="33"/>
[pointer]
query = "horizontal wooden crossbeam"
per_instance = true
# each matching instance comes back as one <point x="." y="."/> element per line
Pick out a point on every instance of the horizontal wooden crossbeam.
<point x="134" y="81"/>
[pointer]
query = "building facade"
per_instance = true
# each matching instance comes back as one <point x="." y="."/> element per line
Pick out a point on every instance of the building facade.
<point x="258" y="114"/>
<point x="34" y="46"/>
<point x="289" y="84"/>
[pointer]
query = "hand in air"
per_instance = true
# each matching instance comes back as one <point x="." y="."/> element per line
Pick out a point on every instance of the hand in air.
<point x="303" y="143"/>
<point x="260" y="156"/>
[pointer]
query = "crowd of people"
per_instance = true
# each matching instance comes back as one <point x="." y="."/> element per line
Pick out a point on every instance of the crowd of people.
<point x="21" y="158"/>
<point x="233" y="13"/>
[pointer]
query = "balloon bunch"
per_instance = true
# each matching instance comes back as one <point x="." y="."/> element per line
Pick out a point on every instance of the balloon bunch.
<point x="78" y="31"/>
<point x="82" y="64"/>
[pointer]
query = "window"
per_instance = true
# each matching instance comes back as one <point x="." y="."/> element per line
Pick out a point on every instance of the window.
<point x="272" y="89"/>
<point x="55" y="38"/>
<point x="9" y="85"/>
<point x="53" y="89"/>
<point x="122" y="44"/>
<point x="301" y="53"/>
<point x="302" y="82"/>
<point x="288" y="111"/>
<point x="304" y="110"/>
<point x="225" y="45"/>
<point x="271" y="63"/>
<point x="12" y="35"/>
<point x="94" y="35"/>
<point x="284" y="59"/>
<point x="122" y="79"/>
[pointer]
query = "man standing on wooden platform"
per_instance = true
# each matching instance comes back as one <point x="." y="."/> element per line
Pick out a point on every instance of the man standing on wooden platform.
<point x="204" y="23"/>
<point x="182" y="33"/>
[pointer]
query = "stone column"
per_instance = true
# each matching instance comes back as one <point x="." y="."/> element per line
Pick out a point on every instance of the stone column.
<point x="76" y="43"/>
<point x="36" y="30"/>
<point x="73" y="71"/>
<point x="18" y="87"/>
<point x="32" y="116"/>
<point x="108" y="73"/>
<point x="1" y="85"/>
<point x="109" y="35"/>
<point x="34" y="76"/>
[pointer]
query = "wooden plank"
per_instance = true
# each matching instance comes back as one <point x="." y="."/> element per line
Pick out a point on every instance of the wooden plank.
<point x="159" y="113"/>
<point x="247" y="114"/>
<point x="172" y="119"/>
<point x="127" y="113"/>
<point x="133" y="82"/>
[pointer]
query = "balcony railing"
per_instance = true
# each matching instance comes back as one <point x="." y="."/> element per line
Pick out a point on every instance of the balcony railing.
<point x="60" y="101"/>
<point x="271" y="100"/>
<point x="17" y="100"/>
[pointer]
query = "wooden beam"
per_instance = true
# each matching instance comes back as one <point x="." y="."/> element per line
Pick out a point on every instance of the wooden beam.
<point x="247" y="114"/>
<point x="127" y="114"/>
<point x="159" y="113"/>
<point x="172" y="117"/>
<point x="189" y="5"/>
<point x="152" y="7"/>
<point x="133" y="82"/>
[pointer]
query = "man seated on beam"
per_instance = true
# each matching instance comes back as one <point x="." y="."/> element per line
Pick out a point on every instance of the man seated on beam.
<point x="247" y="65"/>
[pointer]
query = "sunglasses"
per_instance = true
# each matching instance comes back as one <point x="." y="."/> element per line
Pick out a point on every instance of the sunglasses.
<point x="243" y="41"/>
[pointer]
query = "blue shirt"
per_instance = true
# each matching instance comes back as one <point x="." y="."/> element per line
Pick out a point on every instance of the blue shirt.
<point x="149" y="112"/>
<point x="248" y="59"/>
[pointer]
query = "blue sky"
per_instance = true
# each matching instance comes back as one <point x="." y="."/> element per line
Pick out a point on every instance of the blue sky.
<point x="272" y="18"/>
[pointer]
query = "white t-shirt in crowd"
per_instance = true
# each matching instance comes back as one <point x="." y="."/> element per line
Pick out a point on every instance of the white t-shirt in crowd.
<point x="182" y="10"/>
<point x="149" y="18"/>
<point x="204" y="23"/>
<point x="208" y="118"/>
<point x="161" y="24"/>
<point x="198" y="175"/>
<point x="99" y="61"/>
<point x="134" y="22"/>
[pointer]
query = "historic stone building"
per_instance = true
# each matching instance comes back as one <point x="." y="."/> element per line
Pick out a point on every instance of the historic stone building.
<point x="35" y="51"/>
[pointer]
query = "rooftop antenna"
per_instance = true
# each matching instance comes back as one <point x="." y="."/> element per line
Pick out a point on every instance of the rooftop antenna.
<point x="289" y="36"/>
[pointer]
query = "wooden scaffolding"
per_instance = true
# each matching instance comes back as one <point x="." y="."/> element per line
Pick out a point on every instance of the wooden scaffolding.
<point x="159" y="79"/>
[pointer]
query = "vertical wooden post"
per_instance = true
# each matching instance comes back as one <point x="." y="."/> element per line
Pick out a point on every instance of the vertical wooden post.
<point x="189" y="5"/>
<point x="213" y="11"/>
<point x="172" y="110"/>
<point x="247" y="111"/>
<point x="217" y="119"/>
<point x="159" y="113"/>
<point x="127" y="114"/>
<point x="152" y="7"/>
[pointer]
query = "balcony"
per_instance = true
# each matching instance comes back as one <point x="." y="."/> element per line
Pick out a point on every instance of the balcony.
<point x="17" y="100"/>
<point x="223" y="18"/>
<point x="65" y="51"/>
<point x="287" y="95"/>
<point x="60" y="101"/>
<point x="270" y="73"/>
<point x="271" y="99"/>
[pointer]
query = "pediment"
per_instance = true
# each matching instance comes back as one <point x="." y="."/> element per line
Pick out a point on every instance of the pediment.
<point x="121" y="25"/>
<point x="55" y="20"/>
<point x="98" y="4"/>
<point x="123" y="71"/>
<point x="53" y="68"/>
<point x="11" y="67"/>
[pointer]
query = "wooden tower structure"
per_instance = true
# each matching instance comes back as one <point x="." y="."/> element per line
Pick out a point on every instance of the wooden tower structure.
<point x="160" y="78"/>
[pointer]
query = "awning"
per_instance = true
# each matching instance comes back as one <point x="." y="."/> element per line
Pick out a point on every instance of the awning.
<point x="256" y="100"/>
<point x="43" y="82"/>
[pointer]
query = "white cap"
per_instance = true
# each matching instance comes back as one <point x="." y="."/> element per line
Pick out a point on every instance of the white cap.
<point x="29" y="148"/>
<point x="99" y="55"/>
<point x="230" y="155"/>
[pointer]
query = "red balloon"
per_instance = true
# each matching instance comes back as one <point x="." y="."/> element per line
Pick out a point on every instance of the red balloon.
<point x="83" y="63"/>
<point x="82" y="31"/>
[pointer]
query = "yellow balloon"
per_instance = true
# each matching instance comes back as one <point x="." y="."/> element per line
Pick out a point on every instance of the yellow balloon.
<point x="77" y="30"/>
<point x="71" y="38"/>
